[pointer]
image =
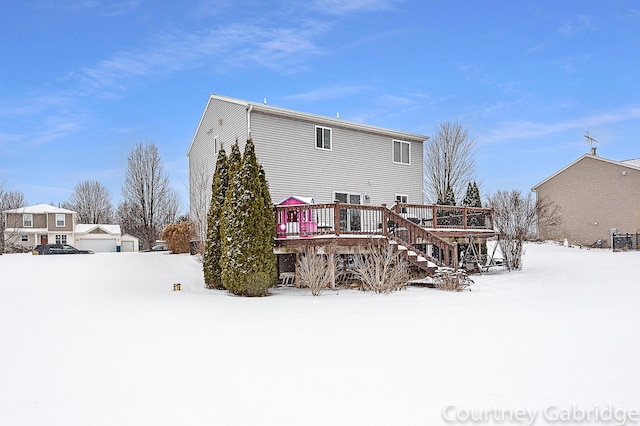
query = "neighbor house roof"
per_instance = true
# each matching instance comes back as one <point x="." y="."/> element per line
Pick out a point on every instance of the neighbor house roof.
<point x="40" y="208"/>
<point x="631" y="164"/>
<point x="89" y="228"/>
<point x="334" y="122"/>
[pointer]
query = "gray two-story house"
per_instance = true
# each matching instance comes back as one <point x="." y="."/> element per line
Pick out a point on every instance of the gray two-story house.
<point x="310" y="155"/>
<point x="354" y="173"/>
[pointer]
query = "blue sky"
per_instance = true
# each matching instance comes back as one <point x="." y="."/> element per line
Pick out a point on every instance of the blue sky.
<point x="81" y="82"/>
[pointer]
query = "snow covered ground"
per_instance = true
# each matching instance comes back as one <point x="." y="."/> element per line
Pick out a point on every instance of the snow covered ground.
<point x="103" y="340"/>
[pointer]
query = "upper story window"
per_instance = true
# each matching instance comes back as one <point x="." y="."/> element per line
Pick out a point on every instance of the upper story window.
<point x="401" y="152"/>
<point x="323" y="138"/>
<point x="60" y="220"/>
<point x="27" y="220"/>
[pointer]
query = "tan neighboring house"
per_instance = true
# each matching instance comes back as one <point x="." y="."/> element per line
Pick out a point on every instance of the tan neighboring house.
<point x="39" y="224"/>
<point x="47" y="224"/>
<point x="596" y="196"/>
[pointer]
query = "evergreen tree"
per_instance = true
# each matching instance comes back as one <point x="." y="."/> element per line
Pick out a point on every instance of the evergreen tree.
<point x="213" y="248"/>
<point x="247" y="262"/>
<point x="235" y="160"/>
<point x="449" y="197"/>
<point x="269" y="227"/>
<point x="472" y="196"/>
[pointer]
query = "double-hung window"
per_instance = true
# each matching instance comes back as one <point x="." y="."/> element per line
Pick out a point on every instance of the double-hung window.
<point x="401" y="152"/>
<point x="27" y="220"/>
<point x="60" y="220"/>
<point x="323" y="138"/>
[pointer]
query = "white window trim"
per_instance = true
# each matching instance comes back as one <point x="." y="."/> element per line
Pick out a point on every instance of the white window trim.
<point x="393" y="154"/>
<point x="401" y="196"/>
<point x="315" y="138"/>
<point x="64" y="220"/>
<point x="61" y="239"/>
<point x="24" y="220"/>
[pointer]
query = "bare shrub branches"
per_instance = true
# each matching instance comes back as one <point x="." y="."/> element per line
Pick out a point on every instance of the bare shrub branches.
<point x="515" y="217"/>
<point x="381" y="268"/>
<point x="450" y="280"/>
<point x="317" y="267"/>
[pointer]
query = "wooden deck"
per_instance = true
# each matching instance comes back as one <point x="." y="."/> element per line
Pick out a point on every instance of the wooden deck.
<point x="424" y="231"/>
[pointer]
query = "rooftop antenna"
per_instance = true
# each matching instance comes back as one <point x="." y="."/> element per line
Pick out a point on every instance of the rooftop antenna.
<point x="591" y="141"/>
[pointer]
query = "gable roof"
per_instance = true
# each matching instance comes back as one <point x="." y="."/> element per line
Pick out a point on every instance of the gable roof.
<point x="630" y="164"/>
<point x="40" y="209"/>
<point x="89" y="228"/>
<point x="283" y="112"/>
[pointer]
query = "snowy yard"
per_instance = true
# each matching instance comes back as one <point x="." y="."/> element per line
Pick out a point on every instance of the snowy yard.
<point x="103" y="340"/>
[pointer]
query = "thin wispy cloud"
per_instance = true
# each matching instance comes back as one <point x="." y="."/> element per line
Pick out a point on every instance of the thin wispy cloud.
<point x="579" y="24"/>
<point x="275" y="48"/>
<point x="335" y="91"/>
<point x="339" y="7"/>
<point x="529" y="129"/>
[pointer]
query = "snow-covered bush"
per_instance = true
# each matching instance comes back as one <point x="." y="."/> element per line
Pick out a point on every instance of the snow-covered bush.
<point x="450" y="280"/>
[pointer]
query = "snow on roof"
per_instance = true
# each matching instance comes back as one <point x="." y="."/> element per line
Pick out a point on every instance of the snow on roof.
<point x="305" y="200"/>
<point x="83" y="228"/>
<point x="40" y="208"/>
<point x="633" y="162"/>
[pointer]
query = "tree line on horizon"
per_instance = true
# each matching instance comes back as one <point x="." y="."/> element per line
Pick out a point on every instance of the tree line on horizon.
<point x="148" y="203"/>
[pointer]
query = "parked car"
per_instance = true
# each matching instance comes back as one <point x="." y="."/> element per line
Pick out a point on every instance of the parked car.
<point x="58" y="249"/>
<point x="160" y="247"/>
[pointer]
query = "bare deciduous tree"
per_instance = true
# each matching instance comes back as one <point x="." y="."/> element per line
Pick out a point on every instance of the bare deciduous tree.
<point x="92" y="202"/>
<point x="449" y="162"/>
<point x="200" y="190"/>
<point x="381" y="268"/>
<point x="149" y="203"/>
<point x="515" y="217"/>
<point x="9" y="200"/>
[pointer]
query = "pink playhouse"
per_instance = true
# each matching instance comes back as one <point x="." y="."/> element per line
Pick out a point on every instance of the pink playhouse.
<point x="296" y="221"/>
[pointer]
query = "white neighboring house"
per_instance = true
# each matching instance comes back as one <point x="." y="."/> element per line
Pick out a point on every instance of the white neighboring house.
<point x="104" y="238"/>
<point x="47" y="224"/>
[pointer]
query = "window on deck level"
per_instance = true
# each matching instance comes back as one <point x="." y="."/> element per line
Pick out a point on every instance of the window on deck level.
<point x="323" y="138"/>
<point x="402" y="199"/>
<point x="401" y="152"/>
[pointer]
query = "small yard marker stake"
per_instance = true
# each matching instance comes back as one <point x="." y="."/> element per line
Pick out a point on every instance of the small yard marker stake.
<point x="176" y="287"/>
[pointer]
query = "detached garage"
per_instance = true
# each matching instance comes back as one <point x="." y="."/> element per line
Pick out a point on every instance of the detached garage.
<point x="99" y="238"/>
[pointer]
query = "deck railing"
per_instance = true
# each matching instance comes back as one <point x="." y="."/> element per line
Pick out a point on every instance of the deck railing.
<point x="448" y="217"/>
<point x="412" y="225"/>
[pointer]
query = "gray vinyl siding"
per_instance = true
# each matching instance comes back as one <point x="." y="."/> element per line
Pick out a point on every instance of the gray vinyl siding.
<point x="228" y="122"/>
<point x="359" y="161"/>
